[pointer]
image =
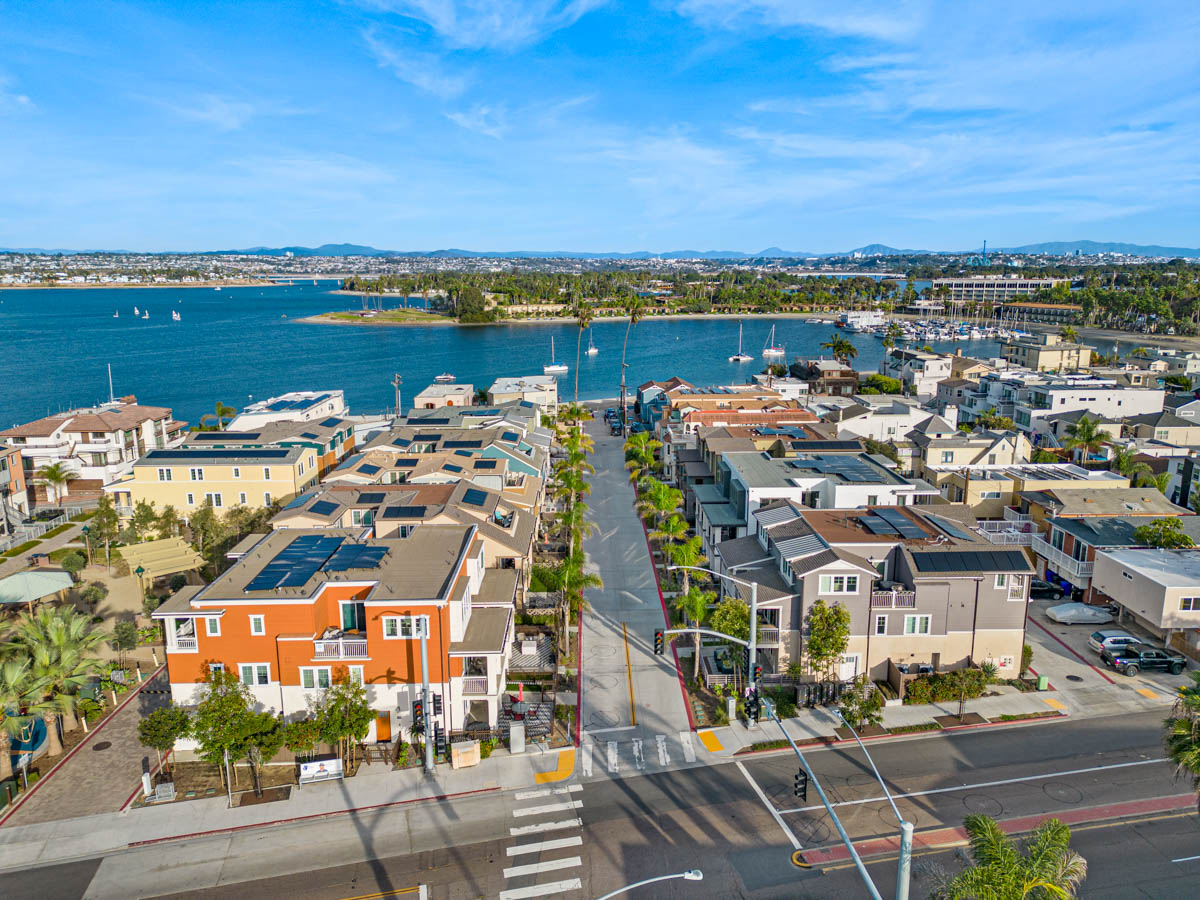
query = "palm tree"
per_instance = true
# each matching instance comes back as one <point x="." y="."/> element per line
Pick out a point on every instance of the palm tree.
<point x="634" y="308"/>
<point x="1181" y="733"/>
<point x="991" y="420"/>
<point x="1122" y="461"/>
<point x="58" y="642"/>
<point x="584" y="313"/>
<point x="1085" y="435"/>
<point x="56" y="476"/>
<point x="222" y="413"/>
<point x="694" y="605"/>
<point x="658" y="499"/>
<point x="1044" y="865"/>
<point x="639" y="455"/>
<point x="1070" y="335"/>
<point x="16" y="687"/>
<point x="840" y="348"/>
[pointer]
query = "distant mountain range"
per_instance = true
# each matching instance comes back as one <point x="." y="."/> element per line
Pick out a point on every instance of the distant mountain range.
<point x="1050" y="248"/>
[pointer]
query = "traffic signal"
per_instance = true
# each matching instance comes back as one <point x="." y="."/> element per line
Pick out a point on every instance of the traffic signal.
<point x="746" y="658"/>
<point x="758" y="673"/>
<point x="437" y="704"/>
<point x="419" y="715"/>
<point x="752" y="708"/>
<point x="658" y="642"/>
<point x="800" y="788"/>
<point x="439" y="740"/>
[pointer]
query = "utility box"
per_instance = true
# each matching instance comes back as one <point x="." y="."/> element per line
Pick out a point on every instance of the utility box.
<point x="516" y="737"/>
<point x="1043" y="682"/>
<point x="731" y="707"/>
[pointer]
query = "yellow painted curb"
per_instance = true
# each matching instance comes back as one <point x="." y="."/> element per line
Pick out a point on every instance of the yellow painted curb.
<point x="1052" y="703"/>
<point x="1147" y="693"/>
<point x="566" y="767"/>
<point x="710" y="742"/>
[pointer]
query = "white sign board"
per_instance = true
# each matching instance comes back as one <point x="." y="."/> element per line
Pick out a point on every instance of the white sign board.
<point x="320" y="770"/>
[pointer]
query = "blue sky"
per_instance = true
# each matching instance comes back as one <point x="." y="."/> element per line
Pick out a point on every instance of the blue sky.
<point x="593" y="125"/>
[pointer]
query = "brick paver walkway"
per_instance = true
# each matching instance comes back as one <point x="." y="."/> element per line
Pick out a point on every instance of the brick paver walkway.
<point x="95" y="780"/>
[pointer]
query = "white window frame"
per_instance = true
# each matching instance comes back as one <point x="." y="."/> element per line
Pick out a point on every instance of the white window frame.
<point x="237" y="472"/>
<point x="191" y="499"/>
<point x="880" y="619"/>
<point x="1192" y="604"/>
<point x="266" y="498"/>
<point x="213" y="499"/>
<point x="216" y="667"/>
<point x="212" y="626"/>
<point x="356" y="674"/>
<point x="912" y="625"/>
<point x="196" y="473"/>
<point x="403" y="623"/>
<point x="164" y="474"/>
<point x="266" y="473"/>
<point x="828" y="584"/>
<point x="947" y="456"/>
<point x="254" y="668"/>
<point x="314" y="673"/>
<point x="989" y="495"/>
<point x="1001" y="581"/>
<point x="242" y="498"/>
<point x="262" y="624"/>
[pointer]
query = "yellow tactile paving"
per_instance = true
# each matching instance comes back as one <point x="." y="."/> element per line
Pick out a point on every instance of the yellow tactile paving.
<point x="1053" y="704"/>
<point x="1147" y="693"/>
<point x="710" y="742"/>
<point x="564" y="770"/>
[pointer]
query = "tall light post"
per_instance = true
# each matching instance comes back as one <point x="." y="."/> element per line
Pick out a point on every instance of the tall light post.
<point x="689" y="875"/>
<point x="904" y="872"/>
<point x="624" y="417"/>
<point x="87" y="542"/>
<point x="753" y="642"/>
<point x="139" y="572"/>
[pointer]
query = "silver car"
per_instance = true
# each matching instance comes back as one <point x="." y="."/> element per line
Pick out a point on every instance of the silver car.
<point x="1111" y="639"/>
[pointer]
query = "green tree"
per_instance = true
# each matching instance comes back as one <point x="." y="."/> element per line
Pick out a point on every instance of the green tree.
<point x="658" y="500"/>
<point x="732" y="617"/>
<point x="218" y="418"/>
<point x="1042" y="866"/>
<point x="1085" y="436"/>
<point x="261" y="736"/>
<point x="124" y="638"/>
<point x="828" y="635"/>
<point x="208" y="530"/>
<point x="639" y="455"/>
<point x="221" y="718"/>
<point x="633" y="307"/>
<point x="693" y="603"/>
<point x="345" y="716"/>
<point x="144" y="520"/>
<point x="17" y="690"/>
<point x="880" y="384"/>
<point x="104" y="525"/>
<point x="56" y="477"/>
<point x="162" y="728"/>
<point x="862" y="704"/>
<point x="302" y="736"/>
<point x="991" y="420"/>
<point x="1162" y="533"/>
<point x="840" y="348"/>
<point x="1070" y="335"/>
<point x="1044" y="456"/>
<point x="73" y="563"/>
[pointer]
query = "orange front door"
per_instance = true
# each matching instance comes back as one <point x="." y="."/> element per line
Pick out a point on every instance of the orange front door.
<point x="383" y="727"/>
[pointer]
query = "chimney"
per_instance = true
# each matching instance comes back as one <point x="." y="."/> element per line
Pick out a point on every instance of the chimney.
<point x="958" y="351"/>
<point x="951" y="415"/>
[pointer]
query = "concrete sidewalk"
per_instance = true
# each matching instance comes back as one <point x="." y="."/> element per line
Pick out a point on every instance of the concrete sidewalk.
<point x="20" y="563"/>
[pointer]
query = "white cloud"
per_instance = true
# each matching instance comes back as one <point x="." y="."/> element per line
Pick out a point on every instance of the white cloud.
<point x="853" y="18"/>
<point x="211" y="109"/>
<point x="493" y="24"/>
<point x="11" y="101"/>
<point x="482" y="119"/>
<point x="419" y="68"/>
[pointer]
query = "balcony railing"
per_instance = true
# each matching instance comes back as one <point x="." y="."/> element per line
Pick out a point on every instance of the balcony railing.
<point x="768" y="635"/>
<point x="183" y="644"/>
<point x="340" y="648"/>
<point x="476" y="684"/>
<point x="1060" y="562"/>
<point x="1009" y="537"/>
<point x="894" y="599"/>
<point x="1013" y="515"/>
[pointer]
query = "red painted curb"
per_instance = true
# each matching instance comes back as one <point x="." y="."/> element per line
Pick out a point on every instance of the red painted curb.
<point x="687" y="707"/>
<point x="1069" y="649"/>
<point x="232" y="829"/>
<point x="946" y="837"/>
<point x="120" y="706"/>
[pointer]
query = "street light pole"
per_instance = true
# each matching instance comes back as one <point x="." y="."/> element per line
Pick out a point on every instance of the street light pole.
<point x="689" y="875"/>
<point x="423" y="624"/>
<point x="904" y="872"/>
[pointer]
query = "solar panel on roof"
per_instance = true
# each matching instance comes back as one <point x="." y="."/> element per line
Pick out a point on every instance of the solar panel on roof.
<point x="323" y="507"/>
<point x="296" y="563"/>
<point x="876" y="525"/>
<point x="474" y="497"/>
<point x="901" y="523"/>
<point x="970" y="561"/>
<point x="449" y="444"/>
<point x="368" y="469"/>
<point x="355" y="556"/>
<point x="330" y="422"/>
<point x="512" y="436"/>
<point x="461" y="452"/>
<point x="184" y="455"/>
<point x="451" y="467"/>
<point x="952" y="528"/>
<point x="401" y="442"/>
<point x="211" y="436"/>
<point x="371" y="497"/>
<point x="427" y="437"/>
<point x="309" y="435"/>
<point x="404" y="512"/>
<point x="405" y="463"/>
<point x="485" y="464"/>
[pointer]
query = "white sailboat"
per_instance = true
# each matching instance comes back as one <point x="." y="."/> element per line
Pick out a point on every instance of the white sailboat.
<point x="591" y="347"/>
<point x="146" y="314"/>
<point x="770" y="348"/>
<point x="116" y="314"/>
<point x="175" y="315"/>
<point x="555" y="368"/>
<point x="135" y="312"/>
<point x="740" y="357"/>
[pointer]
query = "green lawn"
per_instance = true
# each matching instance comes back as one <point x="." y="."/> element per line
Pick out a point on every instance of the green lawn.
<point x="19" y="549"/>
<point x="389" y="316"/>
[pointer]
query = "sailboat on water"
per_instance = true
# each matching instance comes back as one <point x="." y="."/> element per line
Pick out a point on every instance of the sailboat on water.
<point x="591" y="347"/>
<point x="555" y="368"/>
<point x="770" y="348"/>
<point x="740" y="357"/>
<point x="116" y="314"/>
<point x="175" y="315"/>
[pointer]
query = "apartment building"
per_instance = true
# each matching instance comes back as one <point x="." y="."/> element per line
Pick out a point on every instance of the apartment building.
<point x="826" y="376"/>
<point x="521" y="452"/>
<point x="294" y="406"/>
<point x="1164" y="426"/>
<point x="1158" y="589"/>
<point x="941" y="448"/>
<point x="884" y="422"/>
<point x="917" y="370"/>
<point x="992" y="289"/>
<point x="993" y="491"/>
<point x="1025" y="311"/>
<point x="1047" y="352"/>
<point x="188" y="478"/>
<point x="1030" y="400"/>
<point x="14" y="501"/>
<point x="540" y="390"/>
<point x="437" y="396"/>
<point x="921" y="589"/>
<point x="303" y="609"/>
<point x="332" y="439"/>
<point x="97" y="444"/>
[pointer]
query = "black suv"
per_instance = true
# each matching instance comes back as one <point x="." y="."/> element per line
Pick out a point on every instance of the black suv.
<point x="1132" y="658"/>
<point x="1044" y="590"/>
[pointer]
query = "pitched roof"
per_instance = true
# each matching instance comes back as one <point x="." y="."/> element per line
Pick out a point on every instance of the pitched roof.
<point x="88" y="420"/>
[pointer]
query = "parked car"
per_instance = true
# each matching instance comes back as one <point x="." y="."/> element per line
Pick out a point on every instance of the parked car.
<point x="1132" y="658"/>
<point x="1045" y="590"/>
<point x="1079" y="614"/>
<point x="614" y="428"/>
<point x="1111" y="639"/>
<point x="610" y="413"/>
<point x="638" y="428"/>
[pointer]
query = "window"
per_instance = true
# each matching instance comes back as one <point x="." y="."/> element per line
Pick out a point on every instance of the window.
<point x="356" y="674"/>
<point x="216" y="667"/>
<point x="196" y="474"/>
<point x="947" y="456"/>
<point x="164" y="474"/>
<point x="991" y="459"/>
<point x="316" y="677"/>
<point x="237" y="472"/>
<point x="1127" y="575"/>
<point x="266" y="498"/>
<point x="989" y="495"/>
<point x="255" y="673"/>
<point x="1161" y="434"/>
<point x="354" y="617"/>
<point x="916" y="624"/>
<point x="403" y="627"/>
<point x="360" y="516"/>
<point x="839" y="584"/>
<point x="1189" y="604"/>
<point x="212" y="626"/>
<point x="258" y="625"/>
<point x="300" y="469"/>
<point x="881" y="624"/>
<point x="212" y="499"/>
<point x="872" y="500"/>
<point x="191" y="499"/>
<point x="242" y="498"/>
<point x="1001" y="580"/>
<point x="266" y="473"/>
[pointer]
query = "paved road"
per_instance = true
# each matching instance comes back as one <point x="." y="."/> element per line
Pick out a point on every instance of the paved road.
<point x="597" y="835"/>
<point x="622" y="678"/>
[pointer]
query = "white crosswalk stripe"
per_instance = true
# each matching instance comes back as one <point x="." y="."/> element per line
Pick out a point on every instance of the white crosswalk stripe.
<point x="588" y="744"/>
<point x="546" y="801"/>
<point x="664" y="758"/>
<point x="689" y="751"/>
<point x="612" y="756"/>
<point x="540" y="846"/>
<point x="540" y="827"/>
<point x="548" y="808"/>
<point x="639" y="759"/>
<point x="542" y="890"/>
<point x="546" y="792"/>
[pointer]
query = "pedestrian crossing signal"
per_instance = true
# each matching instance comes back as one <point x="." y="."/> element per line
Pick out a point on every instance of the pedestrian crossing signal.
<point x="658" y="642"/>
<point x="437" y="704"/>
<point x="800" y="788"/>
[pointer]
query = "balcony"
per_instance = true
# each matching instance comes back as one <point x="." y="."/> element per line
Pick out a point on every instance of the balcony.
<point x="768" y="635"/>
<point x="476" y="684"/>
<point x="1013" y="515"/>
<point x="893" y="600"/>
<point x="340" y="648"/>
<point x="1068" y="566"/>
<point x="183" y="645"/>
<point x="1009" y="537"/>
